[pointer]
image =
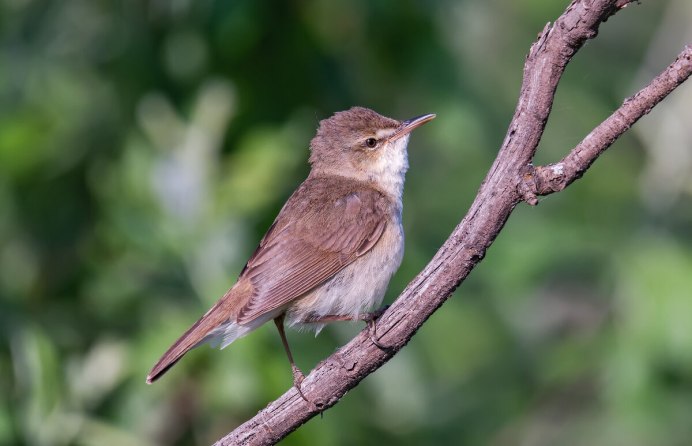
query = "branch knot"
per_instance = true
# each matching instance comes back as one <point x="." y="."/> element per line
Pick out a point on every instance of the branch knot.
<point x="526" y="185"/>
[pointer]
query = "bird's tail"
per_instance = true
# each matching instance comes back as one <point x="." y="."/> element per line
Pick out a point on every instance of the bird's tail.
<point x="217" y="326"/>
<point x="194" y="336"/>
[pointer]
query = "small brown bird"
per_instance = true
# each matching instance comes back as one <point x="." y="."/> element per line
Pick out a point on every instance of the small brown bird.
<point x="332" y="249"/>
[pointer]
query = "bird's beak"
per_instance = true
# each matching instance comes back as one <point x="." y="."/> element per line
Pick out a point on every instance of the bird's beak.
<point x="407" y="126"/>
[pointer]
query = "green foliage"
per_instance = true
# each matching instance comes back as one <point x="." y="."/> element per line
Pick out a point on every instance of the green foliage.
<point x="145" y="147"/>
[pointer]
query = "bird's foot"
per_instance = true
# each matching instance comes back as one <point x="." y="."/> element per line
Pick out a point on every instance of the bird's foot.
<point x="298" y="378"/>
<point x="371" y="320"/>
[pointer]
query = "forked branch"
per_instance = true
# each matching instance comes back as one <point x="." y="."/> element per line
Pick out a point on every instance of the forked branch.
<point x="545" y="180"/>
<point x="510" y="180"/>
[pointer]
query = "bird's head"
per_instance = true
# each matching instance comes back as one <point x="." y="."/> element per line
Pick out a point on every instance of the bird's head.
<point x="361" y="144"/>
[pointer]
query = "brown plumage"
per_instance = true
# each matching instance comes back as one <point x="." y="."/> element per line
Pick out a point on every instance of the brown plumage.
<point x="341" y="225"/>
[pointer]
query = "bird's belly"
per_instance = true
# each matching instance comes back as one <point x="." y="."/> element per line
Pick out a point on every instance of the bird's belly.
<point x="356" y="289"/>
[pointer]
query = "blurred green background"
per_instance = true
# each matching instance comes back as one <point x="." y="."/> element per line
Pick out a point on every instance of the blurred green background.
<point x="145" y="147"/>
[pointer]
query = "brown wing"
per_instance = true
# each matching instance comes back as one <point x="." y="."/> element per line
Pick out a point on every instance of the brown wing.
<point x="320" y="237"/>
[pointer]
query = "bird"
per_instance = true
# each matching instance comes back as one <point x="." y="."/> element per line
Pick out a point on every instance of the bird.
<point x="331" y="251"/>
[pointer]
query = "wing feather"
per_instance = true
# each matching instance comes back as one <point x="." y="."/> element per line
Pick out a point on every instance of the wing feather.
<point x="319" y="239"/>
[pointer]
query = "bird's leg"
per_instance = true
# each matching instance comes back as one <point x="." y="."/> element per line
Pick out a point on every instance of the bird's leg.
<point x="298" y="376"/>
<point x="369" y="318"/>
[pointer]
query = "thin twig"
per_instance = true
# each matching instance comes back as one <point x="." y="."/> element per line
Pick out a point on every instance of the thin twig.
<point x="545" y="180"/>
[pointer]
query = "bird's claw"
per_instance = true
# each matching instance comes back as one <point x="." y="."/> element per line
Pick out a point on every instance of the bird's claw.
<point x="298" y="378"/>
<point x="370" y="319"/>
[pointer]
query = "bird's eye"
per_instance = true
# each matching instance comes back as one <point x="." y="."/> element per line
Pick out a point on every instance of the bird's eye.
<point x="371" y="142"/>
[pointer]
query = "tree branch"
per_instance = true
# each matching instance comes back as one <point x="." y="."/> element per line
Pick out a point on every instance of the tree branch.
<point x="510" y="180"/>
<point x="545" y="180"/>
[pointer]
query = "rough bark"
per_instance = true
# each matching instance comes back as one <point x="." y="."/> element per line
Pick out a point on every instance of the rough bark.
<point x="511" y="179"/>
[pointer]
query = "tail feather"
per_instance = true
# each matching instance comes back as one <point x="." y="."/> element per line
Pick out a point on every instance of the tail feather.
<point x="208" y="328"/>
<point x="194" y="336"/>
